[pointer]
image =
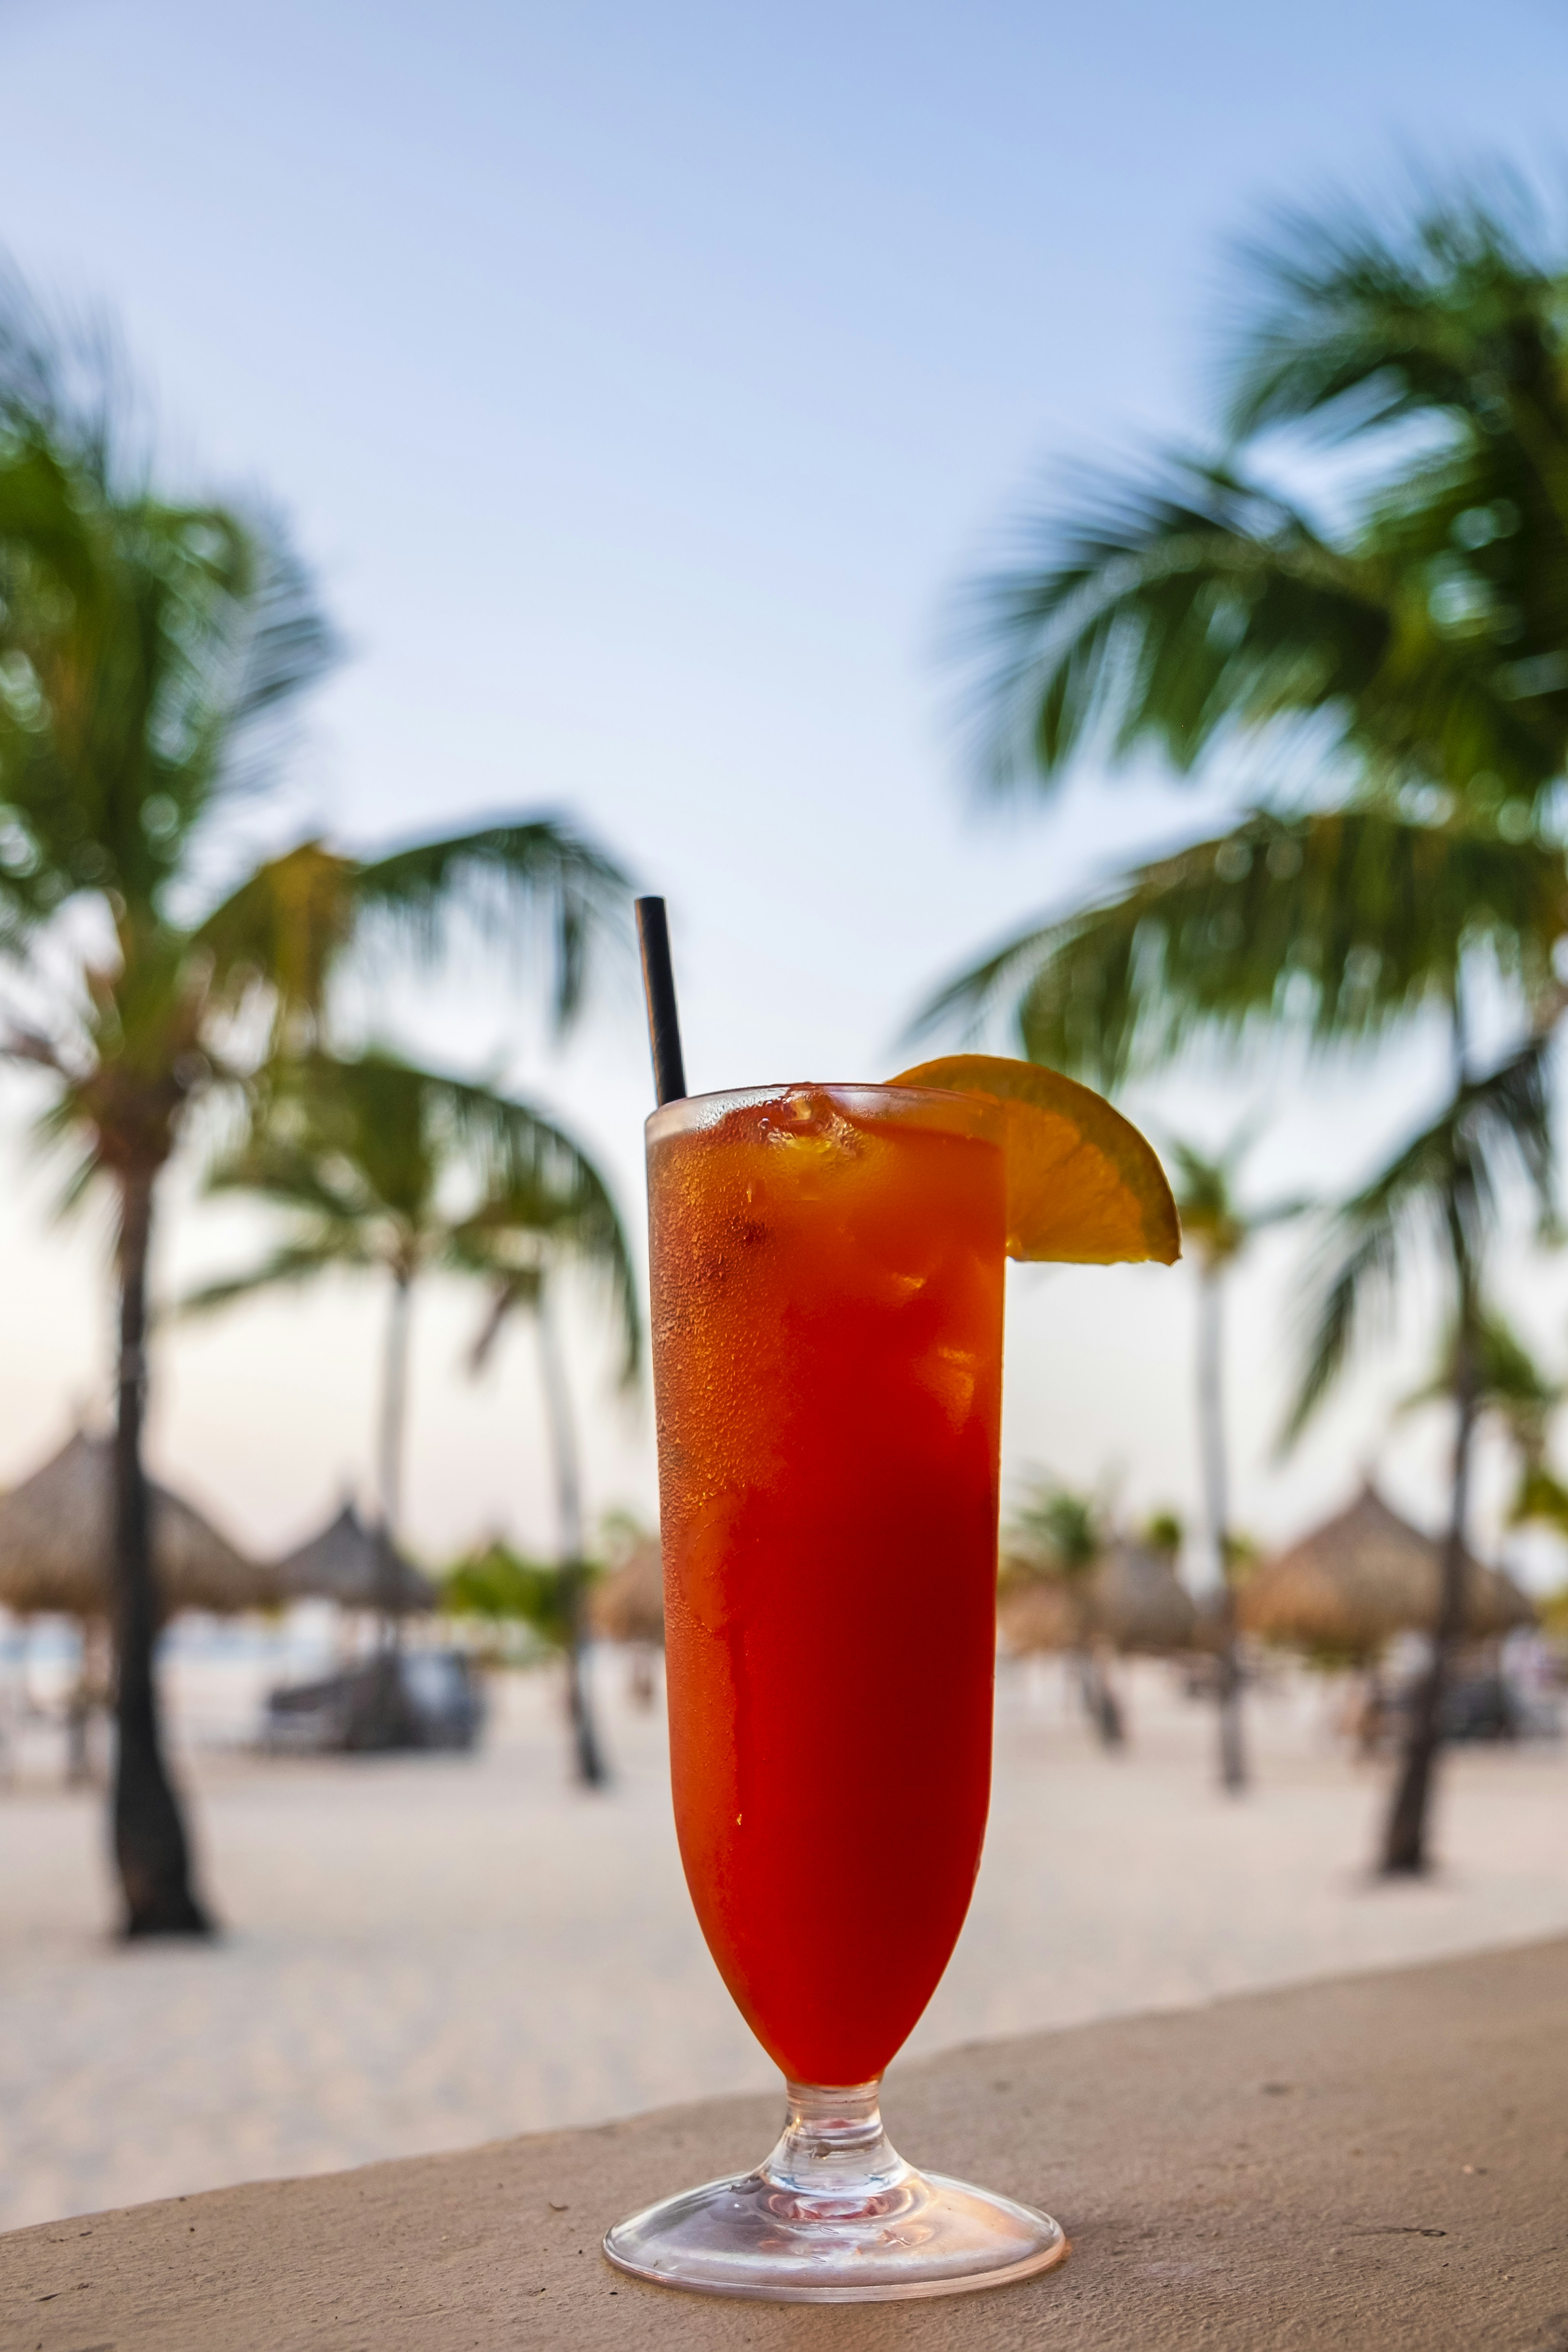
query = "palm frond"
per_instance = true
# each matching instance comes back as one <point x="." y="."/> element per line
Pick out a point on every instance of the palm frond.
<point x="510" y="880"/>
<point x="1184" y="604"/>
<point x="375" y="1160"/>
<point x="288" y="1174"/>
<point x="287" y="643"/>
<point x="1337" y="924"/>
<point x="1061" y="1532"/>
<point x="280" y="931"/>
<point x="535" y="884"/>
<point x="1161" y="609"/>
<point x="1442" y="1189"/>
<point x="513" y="1293"/>
<point x="1360" y="1282"/>
<point x="526" y="1226"/>
<point x="1350" y="316"/>
<point x="1508" y="1379"/>
<point x="1207" y="1203"/>
<point x="1541" y="1497"/>
<point x="289" y="1265"/>
<point x="150" y="656"/>
<point x="248" y="639"/>
<point x="64" y="379"/>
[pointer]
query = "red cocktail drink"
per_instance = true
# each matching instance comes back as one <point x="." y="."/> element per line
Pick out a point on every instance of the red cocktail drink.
<point x="827" y="1287"/>
<point x="828" y="1270"/>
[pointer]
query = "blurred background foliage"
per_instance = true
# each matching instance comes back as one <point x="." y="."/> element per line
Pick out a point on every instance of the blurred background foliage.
<point x="499" y="1586"/>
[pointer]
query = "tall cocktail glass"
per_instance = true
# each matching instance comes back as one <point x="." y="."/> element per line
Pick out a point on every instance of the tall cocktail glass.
<point x="828" y="1270"/>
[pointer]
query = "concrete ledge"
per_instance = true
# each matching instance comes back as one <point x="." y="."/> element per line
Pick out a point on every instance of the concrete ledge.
<point x="1379" y="2164"/>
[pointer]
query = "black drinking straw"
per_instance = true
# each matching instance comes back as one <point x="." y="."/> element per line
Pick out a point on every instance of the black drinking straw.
<point x="658" y="987"/>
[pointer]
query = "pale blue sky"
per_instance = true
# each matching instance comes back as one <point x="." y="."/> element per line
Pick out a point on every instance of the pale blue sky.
<point x="643" y="382"/>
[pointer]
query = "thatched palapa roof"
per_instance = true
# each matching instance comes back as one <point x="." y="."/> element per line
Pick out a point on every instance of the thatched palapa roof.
<point x="56" y="1530"/>
<point x="629" y="1605"/>
<point x="1140" y="1603"/>
<point x="1363" y="1576"/>
<point x="1034" y="1613"/>
<point x="343" y="1562"/>
<point x="1133" y="1600"/>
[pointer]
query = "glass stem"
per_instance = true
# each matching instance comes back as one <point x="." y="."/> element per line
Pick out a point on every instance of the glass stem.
<point x="832" y="2145"/>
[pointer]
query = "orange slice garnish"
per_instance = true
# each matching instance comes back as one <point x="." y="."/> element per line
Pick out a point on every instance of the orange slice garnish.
<point x="1084" y="1188"/>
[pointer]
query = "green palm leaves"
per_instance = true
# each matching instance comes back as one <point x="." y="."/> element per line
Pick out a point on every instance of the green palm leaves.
<point x="1421" y="634"/>
<point x="1166" y="607"/>
<point x="149" y="654"/>
<point x="1213" y="1222"/>
<point x="1062" y="1529"/>
<point x="1409" y="656"/>
<point x="1441" y="1192"/>
<point x="1341" y="924"/>
<point x="535" y="883"/>
<point x="376" y="1164"/>
<point x="1518" y="1397"/>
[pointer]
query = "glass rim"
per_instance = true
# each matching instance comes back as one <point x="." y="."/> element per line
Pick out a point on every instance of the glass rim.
<point x="689" y="1111"/>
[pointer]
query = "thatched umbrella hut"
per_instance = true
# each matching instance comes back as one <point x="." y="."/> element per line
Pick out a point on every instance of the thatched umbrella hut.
<point x="627" y="1606"/>
<point x="1210" y="1632"/>
<point x="1139" y="1604"/>
<point x="1035" y="1613"/>
<point x="1132" y="1601"/>
<point x="1347" y="1587"/>
<point x="57" y="1530"/>
<point x="346" y="1561"/>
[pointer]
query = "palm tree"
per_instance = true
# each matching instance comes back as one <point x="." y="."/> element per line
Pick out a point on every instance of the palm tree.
<point x="1420" y="636"/>
<point x="1062" y="1534"/>
<point x="1402" y="650"/>
<point x="517" y="1244"/>
<point x="1387" y="668"/>
<point x="1521" y="1398"/>
<point x="496" y="1584"/>
<point x="151" y="653"/>
<point x="1440" y="1194"/>
<point x="1343" y="927"/>
<point x="1219" y="1230"/>
<point x="404" y="1172"/>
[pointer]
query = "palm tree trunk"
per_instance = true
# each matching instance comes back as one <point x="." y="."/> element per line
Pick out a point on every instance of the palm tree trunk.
<point x="1099" y="1701"/>
<point x="1217" y="1509"/>
<point x="1110" y="1721"/>
<point x="591" y="1766"/>
<point x="393" y="1429"/>
<point x="149" y="1846"/>
<point x="386" y="1718"/>
<point x="1405" y="1853"/>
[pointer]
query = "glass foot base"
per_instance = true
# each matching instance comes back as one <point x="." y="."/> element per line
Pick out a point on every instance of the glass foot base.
<point x="836" y="2216"/>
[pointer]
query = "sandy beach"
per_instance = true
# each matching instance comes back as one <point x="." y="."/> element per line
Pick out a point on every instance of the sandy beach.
<point x="423" y="1953"/>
